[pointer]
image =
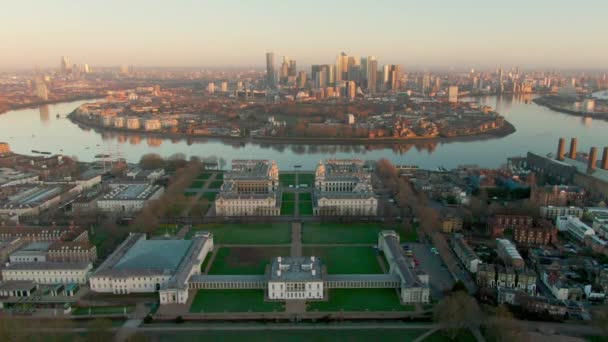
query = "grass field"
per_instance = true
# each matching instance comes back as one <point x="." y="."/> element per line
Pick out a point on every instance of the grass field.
<point x="102" y="310"/>
<point x="294" y="335"/>
<point x="172" y="229"/>
<point x="210" y="196"/>
<point x="346" y="233"/>
<point x="306" y="178"/>
<point x="233" y="301"/>
<point x="411" y="235"/>
<point x="288" y="196"/>
<point x="305" y="196"/>
<point x="288" y="208"/>
<point x="305" y="208"/>
<point x="244" y="260"/>
<point x="287" y="179"/>
<point x="204" y="175"/>
<point x="346" y="259"/>
<point x="197" y="184"/>
<point x="360" y="300"/>
<point x="190" y="193"/>
<point x="247" y="234"/>
<point x="216" y="184"/>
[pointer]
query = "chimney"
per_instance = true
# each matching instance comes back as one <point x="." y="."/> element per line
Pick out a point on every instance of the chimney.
<point x="592" y="159"/>
<point x="561" y="148"/>
<point x="605" y="159"/>
<point x="573" y="144"/>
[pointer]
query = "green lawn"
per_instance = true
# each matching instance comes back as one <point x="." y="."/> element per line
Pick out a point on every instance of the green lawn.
<point x="102" y="310"/>
<point x="172" y="229"/>
<point x="305" y="196"/>
<point x="318" y="233"/>
<point x="190" y="193"/>
<point x="216" y="184"/>
<point x="244" y="260"/>
<point x="346" y="259"/>
<point x="288" y="196"/>
<point x="234" y="233"/>
<point x="288" y="208"/>
<point x="204" y="175"/>
<point x="411" y="235"/>
<point x="287" y="179"/>
<point x="360" y="300"/>
<point x="305" y="208"/>
<point x="306" y="178"/>
<point x="294" y="335"/>
<point x="197" y="184"/>
<point x="209" y="196"/>
<point x="233" y="301"/>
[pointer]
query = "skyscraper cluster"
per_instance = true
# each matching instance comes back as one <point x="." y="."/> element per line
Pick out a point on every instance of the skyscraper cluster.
<point x="347" y="75"/>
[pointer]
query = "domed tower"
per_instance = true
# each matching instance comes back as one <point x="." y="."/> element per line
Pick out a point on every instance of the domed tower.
<point x="320" y="174"/>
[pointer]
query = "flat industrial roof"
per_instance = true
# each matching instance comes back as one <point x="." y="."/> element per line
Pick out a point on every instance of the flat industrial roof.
<point x="154" y="254"/>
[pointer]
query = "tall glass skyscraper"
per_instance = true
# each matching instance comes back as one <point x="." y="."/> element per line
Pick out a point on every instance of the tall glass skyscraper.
<point x="271" y="70"/>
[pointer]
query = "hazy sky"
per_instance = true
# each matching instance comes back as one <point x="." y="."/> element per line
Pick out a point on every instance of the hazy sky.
<point x="414" y="33"/>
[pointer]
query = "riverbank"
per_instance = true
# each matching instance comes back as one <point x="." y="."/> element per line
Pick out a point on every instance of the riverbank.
<point x="547" y="103"/>
<point x="50" y="102"/>
<point x="500" y="132"/>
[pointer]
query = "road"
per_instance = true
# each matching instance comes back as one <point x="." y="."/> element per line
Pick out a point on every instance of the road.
<point x="531" y="326"/>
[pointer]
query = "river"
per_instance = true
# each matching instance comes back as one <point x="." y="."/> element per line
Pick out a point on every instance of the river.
<point x="538" y="129"/>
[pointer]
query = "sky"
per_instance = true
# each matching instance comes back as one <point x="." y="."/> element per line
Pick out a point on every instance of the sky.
<point x="220" y="33"/>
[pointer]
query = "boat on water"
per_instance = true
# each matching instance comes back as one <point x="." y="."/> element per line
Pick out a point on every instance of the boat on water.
<point x="40" y="152"/>
<point x="102" y="156"/>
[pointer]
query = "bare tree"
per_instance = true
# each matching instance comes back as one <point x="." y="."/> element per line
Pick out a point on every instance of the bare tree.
<point x="456" y="313"/>
<point x="501" y="326"/>
<point x="151" y="161"/>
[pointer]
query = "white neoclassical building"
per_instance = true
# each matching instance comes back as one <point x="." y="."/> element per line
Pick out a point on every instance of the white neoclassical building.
<point x="414" y="283"/>
<point x="343" y="188"/>
<point x="295" y="278"/>
<point x="48" y="273"/>
<point x="164" y="266"/>
<point x="251" y="188"/>
<point x="128" y="197"/>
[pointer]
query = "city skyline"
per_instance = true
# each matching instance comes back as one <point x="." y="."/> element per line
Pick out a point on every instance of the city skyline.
<point x="234" y="34"/>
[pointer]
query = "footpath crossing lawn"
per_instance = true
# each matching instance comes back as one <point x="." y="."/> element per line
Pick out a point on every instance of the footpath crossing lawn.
<point x="209" y="196"/>
<point x="244" y="260"/>
<point x="305" y="208"/>
<point x="294" y="335"/>
<point x="343" y="233"/>
<point x="246" y="234"/>
<point x="346" y="259"/>
<point x="204" y="175"/>
<point x="216" y="184"/>
<point x="197" y="184"/>
<point x="360" y="300"/>
<point x="233" y="301"/>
